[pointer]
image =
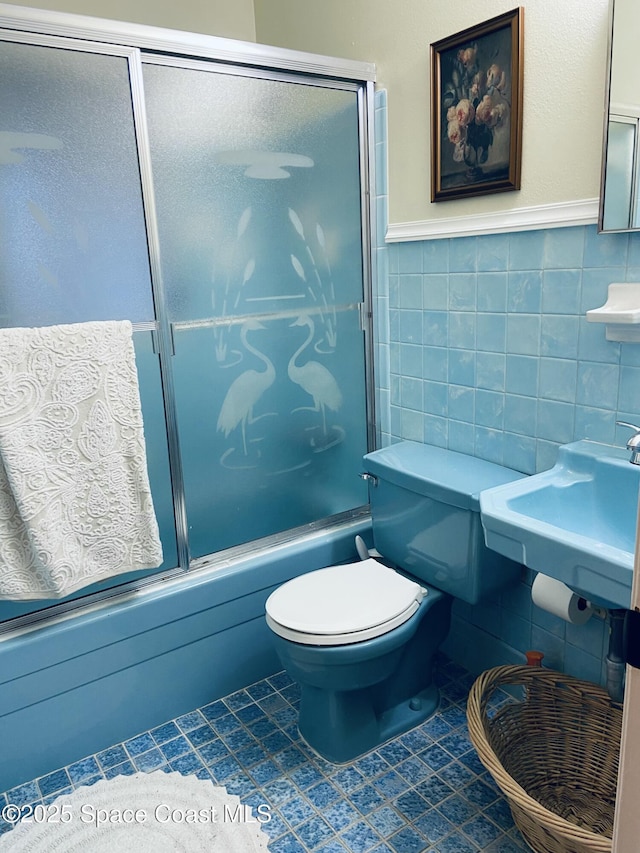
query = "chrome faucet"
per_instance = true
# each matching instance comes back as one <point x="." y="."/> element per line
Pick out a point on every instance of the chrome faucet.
<point x="634" y="442"/>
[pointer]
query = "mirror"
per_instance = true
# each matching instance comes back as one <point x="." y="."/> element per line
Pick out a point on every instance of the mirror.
<point x="620" y="189"/>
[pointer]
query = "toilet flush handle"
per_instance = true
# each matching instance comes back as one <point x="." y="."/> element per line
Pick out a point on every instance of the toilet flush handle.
<point x="370" y="478"/>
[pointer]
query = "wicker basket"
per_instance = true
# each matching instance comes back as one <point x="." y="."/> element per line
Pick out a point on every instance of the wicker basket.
<point x="554" y="754"/>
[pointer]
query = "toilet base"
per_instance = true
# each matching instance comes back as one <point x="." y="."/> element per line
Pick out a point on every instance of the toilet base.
<point x="354" y="729"/>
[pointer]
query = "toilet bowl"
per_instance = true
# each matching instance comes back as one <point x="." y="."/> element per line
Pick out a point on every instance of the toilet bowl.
<point x="360" y="638"/>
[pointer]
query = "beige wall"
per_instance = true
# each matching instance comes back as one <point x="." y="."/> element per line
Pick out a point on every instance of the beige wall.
<point x="228" y="18"/>
<point x="624" y="75"/>
<point x="564" y="62"/>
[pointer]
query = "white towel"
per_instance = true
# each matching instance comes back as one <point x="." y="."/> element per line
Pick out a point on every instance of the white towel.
<point x="75" y="502"/>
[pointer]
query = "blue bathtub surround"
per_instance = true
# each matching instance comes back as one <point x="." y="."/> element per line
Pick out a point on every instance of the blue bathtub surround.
<point x="75" y="686"/>
<point x="483" y="347"/>
<point x="423" y="791"/>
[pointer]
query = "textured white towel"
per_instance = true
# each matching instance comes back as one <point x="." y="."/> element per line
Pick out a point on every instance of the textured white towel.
<point x="75" y="503"/>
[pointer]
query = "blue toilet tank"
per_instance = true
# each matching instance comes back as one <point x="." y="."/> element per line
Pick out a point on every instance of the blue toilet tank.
<point x="425" y="512"/>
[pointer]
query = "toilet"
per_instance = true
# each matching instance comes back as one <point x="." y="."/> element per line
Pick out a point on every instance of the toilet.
<point x="360" y="638"/>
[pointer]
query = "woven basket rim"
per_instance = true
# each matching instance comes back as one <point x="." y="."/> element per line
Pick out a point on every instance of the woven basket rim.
<point x="519" y="675"/>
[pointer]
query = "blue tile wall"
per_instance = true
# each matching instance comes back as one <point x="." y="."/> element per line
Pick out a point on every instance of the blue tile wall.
<point x="483" y="347"/>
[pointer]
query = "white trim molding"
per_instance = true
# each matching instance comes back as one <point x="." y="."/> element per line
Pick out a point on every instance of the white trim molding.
<point x="560" y="215"/>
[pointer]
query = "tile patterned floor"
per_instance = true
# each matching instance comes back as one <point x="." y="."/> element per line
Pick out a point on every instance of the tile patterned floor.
<point x="423" y="791"/>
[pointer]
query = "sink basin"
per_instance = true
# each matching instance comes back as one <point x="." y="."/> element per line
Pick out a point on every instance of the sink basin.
<point x="575" y="522"/>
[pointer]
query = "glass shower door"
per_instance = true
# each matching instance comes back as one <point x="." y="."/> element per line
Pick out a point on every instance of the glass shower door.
<point x="259" y="213"/>
<point x="73" y="242"/>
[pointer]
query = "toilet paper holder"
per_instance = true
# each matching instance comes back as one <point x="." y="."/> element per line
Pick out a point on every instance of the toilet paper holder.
<point x="557" y="598"/>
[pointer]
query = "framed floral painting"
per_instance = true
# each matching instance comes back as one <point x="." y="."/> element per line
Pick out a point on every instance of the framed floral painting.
<point x="476" y="109"/>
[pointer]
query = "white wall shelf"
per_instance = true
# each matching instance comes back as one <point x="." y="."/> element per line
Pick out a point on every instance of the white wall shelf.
<point x="620" y="313"/>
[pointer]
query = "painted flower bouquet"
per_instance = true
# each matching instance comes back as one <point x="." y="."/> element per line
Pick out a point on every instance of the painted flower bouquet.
<point x="476" y="103"/>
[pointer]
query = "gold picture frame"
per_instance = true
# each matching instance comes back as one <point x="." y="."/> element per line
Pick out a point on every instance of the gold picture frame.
<point x="476" y="109"/>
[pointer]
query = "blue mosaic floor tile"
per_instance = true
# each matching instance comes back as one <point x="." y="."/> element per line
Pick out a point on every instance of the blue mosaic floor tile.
<point x="54" y="782"/>
<point x="250" y="714"/>
<point x="225" y="769"/>
<point x="411" y="805"/>
<point x="165" y="732"/>
<point x="348" y="779"/>
<point x="296" y="811"/>
<point x="186" y="764"/>
<point x="82" y="770"/>
<point x="500" y="813"/>
<point x="213" y="751"/>
<point x="214" y="710"/>
<point x="280" y="680"/>
<point x="455" y="843"/>
<point x="434" y="826"/>
<point x="250" y="755"/>
<point x="423" y="792"/>
<point x="287" y="844"/>
<point x="23" y="794"/>
<point x="367" y="799"/>
<point x="360" y="836"/>
<point x="188" y="722"/>
<point x="372" y="764"/>
<point x="290" y="758"/>
<point x="201" y="735"/>
<point x="114" y="755"/>
<point x="322" y="795"/>
<point x="173" y="748"/>
<point x="314" y="832"/>
<point x="408" y="840"/>
<point x="414" y="770"/>
<point x="237" y="700"/>
<point x="333" y="847"/>
<point x="395" y="752"/>
<point x="340" y="814"/>
<point x="456" y="775"/>
<point x="280" y="791"/>
<point x="386" y="821"/>
<point x="456" y="809"/>
<point x="124" y="769"/>
<point x="259" y="690"/>
<point x="435" y="757"/>
<point x="140" y="744"/>
<point x="51" y="798"/>
<point x="481" y="830"/>
<point x="391" y="784"/>
<point x="149" y="761"/>
<point x="225" y="724"/>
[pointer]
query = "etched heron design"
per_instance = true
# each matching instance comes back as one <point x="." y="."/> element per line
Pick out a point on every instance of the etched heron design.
<point x="313" y="377"/>
<point x="245" y="390"/>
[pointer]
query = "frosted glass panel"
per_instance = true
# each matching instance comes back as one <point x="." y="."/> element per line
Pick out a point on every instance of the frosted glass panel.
<point x="621" y="148"/>
<point x="258" y="194"/>
<point x="72" y="232"/>
<point x="275" y="440"/>
<point x="257" y="185"/>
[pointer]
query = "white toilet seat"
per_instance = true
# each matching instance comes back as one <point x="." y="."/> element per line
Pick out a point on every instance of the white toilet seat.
<point x="344" y="604"/>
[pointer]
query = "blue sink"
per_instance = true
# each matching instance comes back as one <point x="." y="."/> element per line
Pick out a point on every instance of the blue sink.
<point x="575" y="522"/>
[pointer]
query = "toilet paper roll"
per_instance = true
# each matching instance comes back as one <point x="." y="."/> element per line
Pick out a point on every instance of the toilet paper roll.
<point x="556" y="597"/>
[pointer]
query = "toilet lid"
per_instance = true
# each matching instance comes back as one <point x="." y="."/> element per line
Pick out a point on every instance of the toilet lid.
<point x="343" y="604"/>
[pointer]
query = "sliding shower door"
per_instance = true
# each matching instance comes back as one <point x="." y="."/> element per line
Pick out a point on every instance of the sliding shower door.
<point x="220" y="209"/>
<point x="73" y="242"/>
<point x="259" y="209"/>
